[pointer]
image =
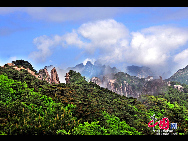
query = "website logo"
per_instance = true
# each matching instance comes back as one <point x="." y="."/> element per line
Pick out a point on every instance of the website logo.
<point x="163" y="124"/>
<point x="173" y="126"/>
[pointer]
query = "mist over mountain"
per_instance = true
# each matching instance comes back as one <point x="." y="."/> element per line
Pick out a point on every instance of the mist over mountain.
<point x="141" y="72"/>
<point x="93" y="70"/>
<point x="88" y="71"/>
<point x="97" y="69"/>
<point x="131" y="83"/>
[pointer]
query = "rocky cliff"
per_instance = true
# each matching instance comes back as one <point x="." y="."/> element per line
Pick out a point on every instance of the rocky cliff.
<point x="54" y="76"/>
<point x="111" y="84"/>
<point x="44" y="75"/>
<point x="131" y="86"/>
<point x="155" y="86"/>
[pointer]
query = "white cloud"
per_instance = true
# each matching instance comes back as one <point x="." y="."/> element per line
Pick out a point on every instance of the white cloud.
<point x="83" y="14"/>
<point x="150" y="47"/>
<point x="105" y="35"/>
<point x="44" y="45"/>
<point x="88" y="59"/>
<point x="181" y="56"/>
<point x="7" y="10"/>
<point x="103" y="32"/>
<point x="73" y="39"/>
<point x="181" y="59"/>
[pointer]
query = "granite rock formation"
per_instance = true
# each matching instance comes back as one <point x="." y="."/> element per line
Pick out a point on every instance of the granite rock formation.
<point x="179" y="87"/>
<point x="123" y="89"/>
<point x="54" y="76"/>
<point x="43" y="75"/>
<point x="152" y="86"/>
<point x="96" y="80"/>
<point x="67" y="78"/>
<point x="180" y="76"/>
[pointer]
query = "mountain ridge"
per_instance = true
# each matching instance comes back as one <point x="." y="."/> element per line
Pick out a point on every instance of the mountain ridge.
<point x="180" y="76"/>
<point x="107" y="77"/>
<point x="42" y="75"/>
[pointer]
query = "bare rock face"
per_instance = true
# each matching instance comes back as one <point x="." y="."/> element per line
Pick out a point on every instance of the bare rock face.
<point x="111" y="86"/>
<point x="67" y="78"/>
<point x="155" y="86"/>
<point x="43" y="75"/>
<point x="96" y="80"/>
<point x="179" y="87"/>
<point x="54" y="76"/>
<point x="123" y="89"/>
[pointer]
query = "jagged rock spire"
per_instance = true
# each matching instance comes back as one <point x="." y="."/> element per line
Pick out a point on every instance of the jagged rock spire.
<point x="54" y="76"/>
<point x="67" y="78"/>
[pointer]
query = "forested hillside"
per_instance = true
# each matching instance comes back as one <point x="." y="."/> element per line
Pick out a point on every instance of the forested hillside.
<point x="32" y="106"/>
<point x="180" y="76"/>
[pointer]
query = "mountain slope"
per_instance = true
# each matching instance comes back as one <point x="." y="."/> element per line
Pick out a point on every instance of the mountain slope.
<point x="180" y="76"/>
<point x="23" y="76"/>
<point x="30" y="112"/>
<point x="82" y="108"/>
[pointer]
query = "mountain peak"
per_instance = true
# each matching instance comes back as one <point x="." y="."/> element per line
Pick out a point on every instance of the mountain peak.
<point x="81" y="65"/>
<point x="24" y="63"/>
<point x="89" y="63"/>
<point x="97" y="63"/>
<point x="141" y="72"/>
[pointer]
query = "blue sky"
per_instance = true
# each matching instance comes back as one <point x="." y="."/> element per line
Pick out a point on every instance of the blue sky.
<point x="156" y="37"/>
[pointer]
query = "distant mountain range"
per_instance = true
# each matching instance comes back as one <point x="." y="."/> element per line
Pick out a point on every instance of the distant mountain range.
<point x="94" y="70"/>
<point x="135" y="81"/>
<point x="141" y="72"/>
<point x="98" y="70"/>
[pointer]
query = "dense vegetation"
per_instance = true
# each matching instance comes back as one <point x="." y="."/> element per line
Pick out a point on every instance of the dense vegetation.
<point x="25" y="64"/>
<point x="32" y="106"/>
<point x="23" y="76"/>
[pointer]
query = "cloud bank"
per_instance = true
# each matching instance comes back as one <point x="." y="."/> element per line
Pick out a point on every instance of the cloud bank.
<point x="153" y="47"/>
<point x="63" y="14"/>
